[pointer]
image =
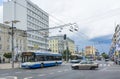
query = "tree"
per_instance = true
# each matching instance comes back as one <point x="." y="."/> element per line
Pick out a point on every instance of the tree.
<point x="8" y="55"/>
<point x="105" y="55"/>
<point x="66" y="52"/>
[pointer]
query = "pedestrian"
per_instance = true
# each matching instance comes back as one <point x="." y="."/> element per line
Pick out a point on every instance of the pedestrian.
<point x="0" y="60"/>
<point x="3" y="60"/>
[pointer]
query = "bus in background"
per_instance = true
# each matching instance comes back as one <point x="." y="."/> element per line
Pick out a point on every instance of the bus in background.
<point x="76" y="58"/>
<point x="40" y="59"/>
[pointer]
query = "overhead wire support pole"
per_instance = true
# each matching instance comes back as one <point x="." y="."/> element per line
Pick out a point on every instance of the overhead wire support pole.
<point x="12" y="36"/>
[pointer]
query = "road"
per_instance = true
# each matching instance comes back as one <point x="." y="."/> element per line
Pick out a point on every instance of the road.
<point x="105" y="71"/>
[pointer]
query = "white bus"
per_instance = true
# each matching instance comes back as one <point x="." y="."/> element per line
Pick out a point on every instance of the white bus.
<point x="76" y="58"/>
<point x="40" y="59"/>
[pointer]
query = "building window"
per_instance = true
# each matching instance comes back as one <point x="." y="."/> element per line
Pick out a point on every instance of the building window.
<point x="0" y="38"/>
<point x="8" y="47"/>
<point x="0" y="46"/>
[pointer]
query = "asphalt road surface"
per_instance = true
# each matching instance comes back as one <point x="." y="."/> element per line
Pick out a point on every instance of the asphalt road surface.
<point x="64" y="71"/>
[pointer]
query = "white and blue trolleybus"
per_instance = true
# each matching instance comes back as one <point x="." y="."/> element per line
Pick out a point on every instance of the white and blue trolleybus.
<point x="40" y="59"/>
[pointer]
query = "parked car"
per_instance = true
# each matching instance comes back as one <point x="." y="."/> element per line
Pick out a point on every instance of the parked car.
<point x="85" y="65"/>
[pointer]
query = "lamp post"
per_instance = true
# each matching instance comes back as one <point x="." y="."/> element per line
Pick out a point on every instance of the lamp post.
<point x="12" y="37"/>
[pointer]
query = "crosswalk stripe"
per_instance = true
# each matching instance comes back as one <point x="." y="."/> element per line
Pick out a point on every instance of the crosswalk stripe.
<point x="104" y="65"/>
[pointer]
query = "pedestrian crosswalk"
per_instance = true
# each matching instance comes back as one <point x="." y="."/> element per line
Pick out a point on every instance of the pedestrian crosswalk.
<point x="100" y="65"/>
<point x="105" y="65"/>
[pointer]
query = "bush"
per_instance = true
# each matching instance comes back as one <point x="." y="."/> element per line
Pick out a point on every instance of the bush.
<point x="8" y="55"/>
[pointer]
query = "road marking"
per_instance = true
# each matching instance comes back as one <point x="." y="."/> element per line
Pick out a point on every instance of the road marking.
<point x="104" y="64"/>
<point x="28" y="77"/>
<point x="59" y="71"/>
<point x="100" y="64"/>
<point x="13" y="77"/>
<point x="109" y="65"/>
<point x="103" y="69"/>
<point x="42" y="75"/>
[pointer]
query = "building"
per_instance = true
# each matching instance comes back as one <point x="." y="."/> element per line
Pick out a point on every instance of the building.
<point x="114" y="52"/>
<point x="58" y="44"/>
<point x="90" y="51"/>
<point x="20" y="40"/>
<point x="31" y="18"/>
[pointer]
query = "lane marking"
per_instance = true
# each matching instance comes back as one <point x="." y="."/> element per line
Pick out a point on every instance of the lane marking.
<point x="28" y="77"/>
<point x="59" y="71"/>
<point x="13" y="77"/>
<point x="42" y="75"/>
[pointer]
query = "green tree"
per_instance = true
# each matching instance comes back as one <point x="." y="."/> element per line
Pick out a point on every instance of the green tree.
<point x="8" y="55"/>
<point x="104" y="55"/>
<point x="68" y="53"/>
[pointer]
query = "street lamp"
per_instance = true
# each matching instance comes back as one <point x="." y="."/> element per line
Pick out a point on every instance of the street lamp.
<point x="12" y="36"/>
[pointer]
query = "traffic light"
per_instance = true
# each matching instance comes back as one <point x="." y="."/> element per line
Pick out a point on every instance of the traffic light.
<point x="65" y="36"/>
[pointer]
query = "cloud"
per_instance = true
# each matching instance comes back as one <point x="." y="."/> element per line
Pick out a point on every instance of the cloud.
<point x="102" y="39"/>
<point x="92" y="16"/>
<point x="102" y="43"/>
<point x="95" y="18"/>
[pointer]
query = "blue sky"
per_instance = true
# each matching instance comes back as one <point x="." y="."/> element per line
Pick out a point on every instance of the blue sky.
<point x="1" y="2"/>
<point x="102" y="43"/>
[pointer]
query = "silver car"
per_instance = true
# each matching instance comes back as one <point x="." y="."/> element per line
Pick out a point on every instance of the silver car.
<point x="85" y="65"/>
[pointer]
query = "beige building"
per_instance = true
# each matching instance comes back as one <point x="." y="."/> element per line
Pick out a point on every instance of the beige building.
<point x="5" y="40"/>
<point x="57" y="44"/>
<point x="90" y="51"/>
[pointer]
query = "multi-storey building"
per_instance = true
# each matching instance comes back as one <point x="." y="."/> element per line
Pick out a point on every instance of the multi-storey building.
<point x="58" y="44"/>
<point x="115" y="45"/>
<point x="90" y="51"/>
<point x="31" y="18"/>
<point x="5" y="40"/>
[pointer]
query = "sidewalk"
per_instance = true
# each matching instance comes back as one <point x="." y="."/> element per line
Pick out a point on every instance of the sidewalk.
<point x="9" y="65"/>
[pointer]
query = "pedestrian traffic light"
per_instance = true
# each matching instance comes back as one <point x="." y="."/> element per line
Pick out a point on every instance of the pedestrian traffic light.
<point x="65" y="36"/>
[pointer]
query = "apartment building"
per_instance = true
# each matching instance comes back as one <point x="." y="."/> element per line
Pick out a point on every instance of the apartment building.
<point x="115" y="45"/>
<point x="58" y="44"/>
<point x="90" y="51"/>
<point x="32" y="18"/>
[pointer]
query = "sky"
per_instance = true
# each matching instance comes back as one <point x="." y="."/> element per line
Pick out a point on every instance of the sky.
<point x="96" y="19"/>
